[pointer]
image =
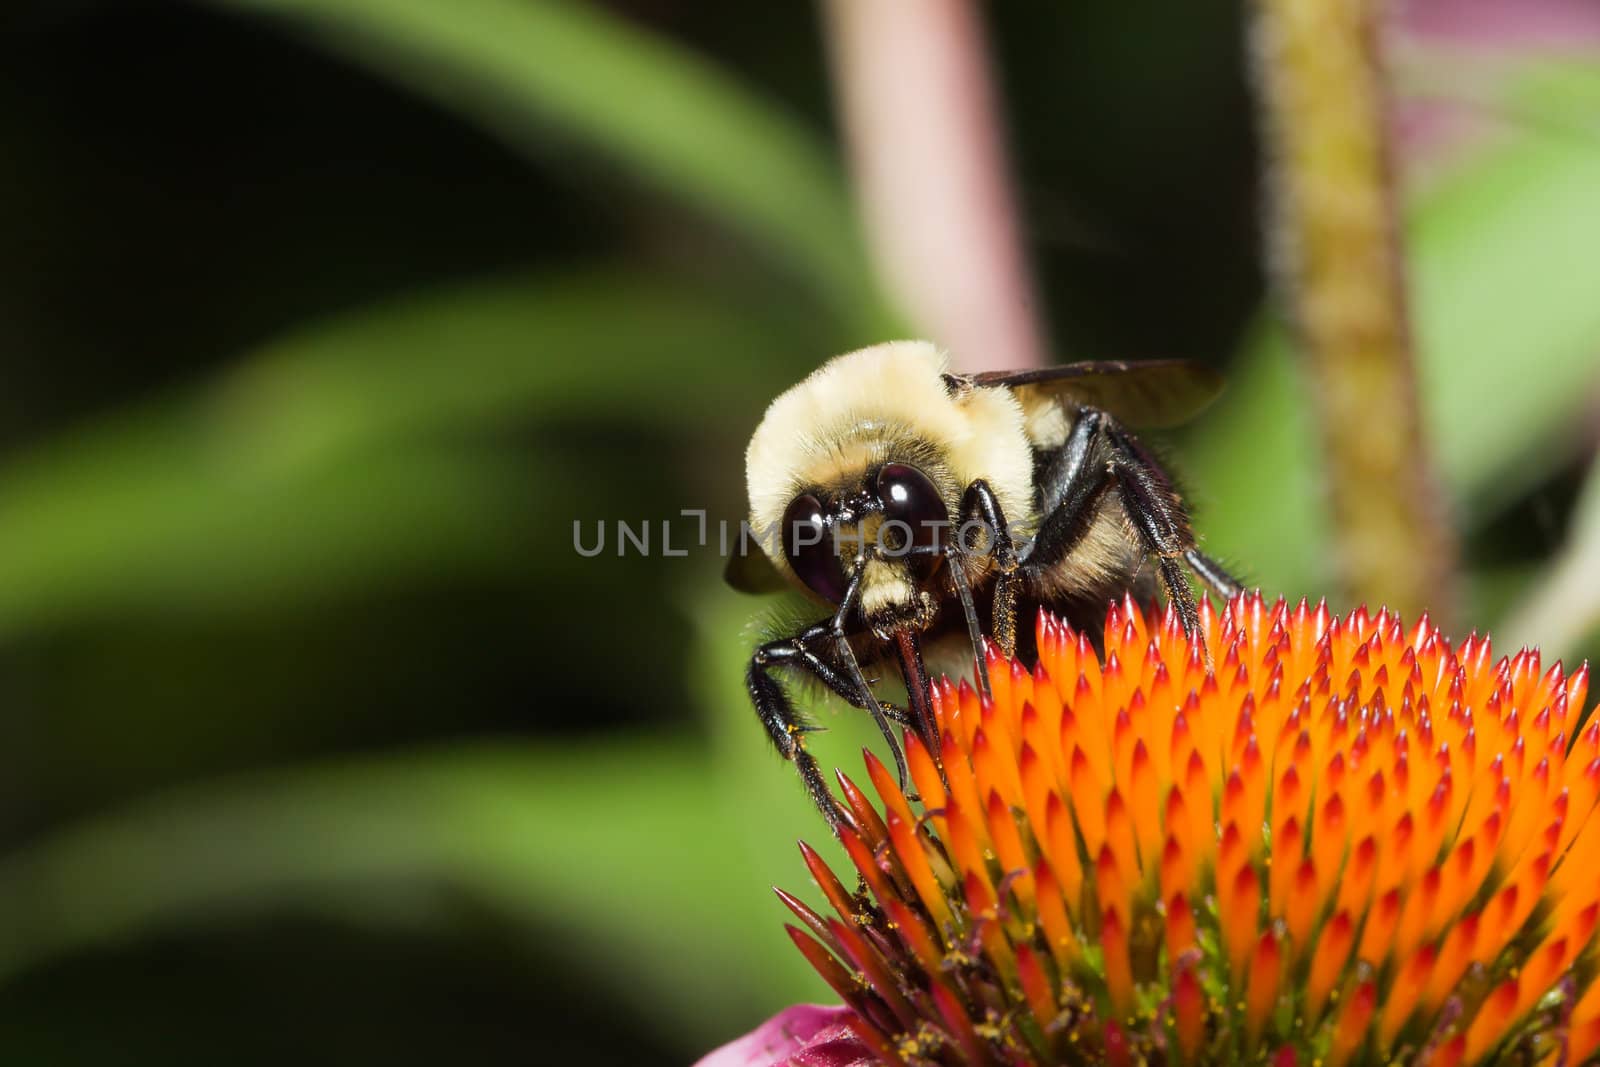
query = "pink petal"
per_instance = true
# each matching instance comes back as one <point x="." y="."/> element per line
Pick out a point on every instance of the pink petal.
<point x="806" y="1035"/>
<point x="1433" y="132"/>
<point x="1504" y="23"/>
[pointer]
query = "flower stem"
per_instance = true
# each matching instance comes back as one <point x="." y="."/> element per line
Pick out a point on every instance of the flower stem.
<point x="918" y="105"/>
<point x="1336" y="253"/>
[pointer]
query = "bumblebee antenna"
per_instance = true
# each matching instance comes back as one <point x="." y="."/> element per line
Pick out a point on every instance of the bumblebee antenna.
<point x="958" y="574"/>
<point x="847" y="656"/>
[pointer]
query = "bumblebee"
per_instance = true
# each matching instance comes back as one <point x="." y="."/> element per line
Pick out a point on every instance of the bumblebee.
<point x="918" y="506"/>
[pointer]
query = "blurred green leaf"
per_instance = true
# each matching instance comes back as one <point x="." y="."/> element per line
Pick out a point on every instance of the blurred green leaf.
<point x="338" y="452"/>
<point x="616" y="856"/>
<point x="146" y="529"/>
<point x="489" y="353"/>
<point x="1560" y="609"/>
<point x="1501" y="258"/>
<point x="522" y="68"/>
<point x="644" y="859"/>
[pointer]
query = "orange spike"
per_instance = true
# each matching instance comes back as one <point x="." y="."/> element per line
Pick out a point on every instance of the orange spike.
<point x="954" y="1016"/>
<point x="985" y="912"/>
<point x="1400" y="999"/>
<point x="914" y="934"/>
<point x="866" y="863"/>
<point x="1583" y="1038"/>
<point x="1492" y="1021"/>
<point x="1036" y="987"/>
<point x="1118" y="1052"/>
<point x="1451" y="1053"/>
<point x="1289" y="796"/>
<point x="1328" y="838"/>
<point x="872" y="966"/>
<point x="1111" y="885"/>
<point x="924" y="773"/>
<point x="1119" y="970"/>
<point x="1189" y="1012"/>
<point x="1378" y="937"/>
<point x="1120" y="837"/>
<point x="1418" y="915"/>
<point x="1063" y="849"/>
<point x="911" y="850"/>
<point x="1180" y="928"/>
<point x="1305" y="901"/>
<point x="1355" y="887"/>
<point x="1284" y="866"/>
<point x="1000" y="679"/>
<point x="1541" y="972"/>
<point x="1053" y="917"/>
<point x="1455" y="956"/>
<point x="994" y="763"/>
<point x="1328" y="956"/>
<point x="1238" y="917"/>
<point x="828" y="883"/>
<point x="886" y="785"/>
<point x="1177" y="869"/>
<point x="963" y="843"/>
<point x="1351" y="1029"/>
<point x="1008" y="849"/>
<point x="1236" y="811"/>
<point x="967" y="709"/>
<point x="1088" y="796"/>
<point x="824" y="963"/>
<point x="1038" y="785"/>
<point x="958" y="773"/>
<point x="868" y="823"/>
<point x="1266" y="970"/>
<point x="1200" y="803"/>
<point x="1145" y="803"/>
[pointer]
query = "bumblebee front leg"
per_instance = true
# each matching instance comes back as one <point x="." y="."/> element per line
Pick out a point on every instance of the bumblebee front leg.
<point x="785" y="725"/>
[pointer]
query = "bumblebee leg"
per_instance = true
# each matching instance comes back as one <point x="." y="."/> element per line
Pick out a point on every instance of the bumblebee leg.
<point x="980" y="503"/>
<point x="1070" y="486"/>
<point x="797" y="651"/>
<point x="1098" y="453"/>
<point x="1153" y="506"/>
<point x="786" y="727"/>
<point x="1213" y="574"/>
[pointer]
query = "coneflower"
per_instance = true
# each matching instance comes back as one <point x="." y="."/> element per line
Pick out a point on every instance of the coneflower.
<point x="1349" y="842"/>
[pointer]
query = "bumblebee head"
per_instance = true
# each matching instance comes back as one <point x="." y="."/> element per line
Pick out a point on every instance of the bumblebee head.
<point x="878" y="543"/>
<point x="856" y="472"/>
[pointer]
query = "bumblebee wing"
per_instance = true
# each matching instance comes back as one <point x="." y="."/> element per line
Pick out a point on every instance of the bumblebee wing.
<point x="1152" y="394"/>
<point x="750" y="571"/>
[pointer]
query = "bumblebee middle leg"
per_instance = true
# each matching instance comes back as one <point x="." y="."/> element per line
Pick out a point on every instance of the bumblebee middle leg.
<point x="1098" y="454"/>
<point x="980" y="504"/>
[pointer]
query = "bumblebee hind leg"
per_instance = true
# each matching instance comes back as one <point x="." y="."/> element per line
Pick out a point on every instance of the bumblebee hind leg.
<point x="1212" y="573"/>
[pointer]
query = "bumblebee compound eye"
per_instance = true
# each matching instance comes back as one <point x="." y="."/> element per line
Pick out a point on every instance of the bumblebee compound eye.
<point x="909" y="497"/>
<point x="810" y="549"/>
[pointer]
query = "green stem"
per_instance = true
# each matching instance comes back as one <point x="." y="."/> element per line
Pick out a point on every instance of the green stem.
<point x="1337" y="258"/>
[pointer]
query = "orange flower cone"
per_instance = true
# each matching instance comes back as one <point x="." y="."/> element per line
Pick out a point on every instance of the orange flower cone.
<point x="1348" y="842"/>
